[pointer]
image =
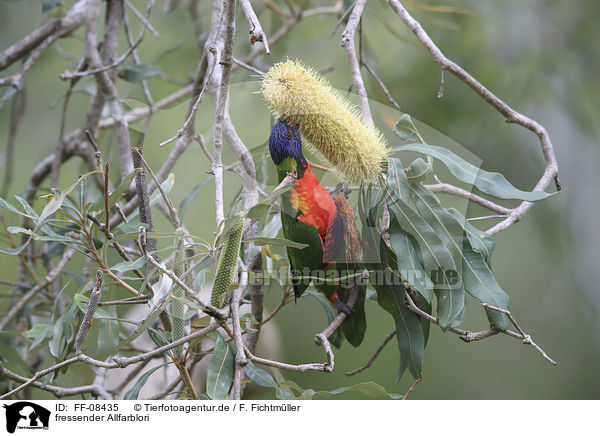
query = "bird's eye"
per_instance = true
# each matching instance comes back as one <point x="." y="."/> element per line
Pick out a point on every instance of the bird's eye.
<point x="289" y="134"/>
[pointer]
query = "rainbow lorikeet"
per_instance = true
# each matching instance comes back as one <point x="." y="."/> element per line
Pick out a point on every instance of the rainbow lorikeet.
<point x="309" y="215"/>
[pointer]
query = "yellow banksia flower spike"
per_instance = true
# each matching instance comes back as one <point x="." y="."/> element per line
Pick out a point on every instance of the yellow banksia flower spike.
<point x="326" y="119"/>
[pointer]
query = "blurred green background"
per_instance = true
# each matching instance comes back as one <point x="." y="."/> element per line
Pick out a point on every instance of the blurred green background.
<point x="540" y="56"/>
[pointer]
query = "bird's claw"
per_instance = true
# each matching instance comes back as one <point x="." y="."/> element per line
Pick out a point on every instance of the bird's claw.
<point x="343" y="307"/>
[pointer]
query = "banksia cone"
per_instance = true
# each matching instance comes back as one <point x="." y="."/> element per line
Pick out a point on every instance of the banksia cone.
<point x="326" y="119"/>
<point x="227" y="261"/>
<point x="177" y="306"/>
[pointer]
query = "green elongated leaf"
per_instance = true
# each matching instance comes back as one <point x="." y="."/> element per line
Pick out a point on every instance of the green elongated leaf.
<point x="26" y="207"/>
<point x="54" y="238"/>
<point x="425" y="325"/>
<point x="370" y="389"/>
<point x="476" y="275"/>
<point x="411" y="341"/>
<point x="281" y="242"/>
<point x="263" y="378"/>
<point x="336" y="337"/>
<point x="12" y="360"/>
<point x="355" y="326"/>
<point x="128" y="230"/>
<point x="288" y="385"/>
<point x="123" y="186"/>
<point x="259" y="376"/>
<point x="63" y="328"/>
<point x="137" y="72"/>
<point x="108" y="334"/>
<point x="271" y="227"/>
<point x="185" y="203"/>
<point x="145" y="323"/>
<point x="157" y="337"/>
<point x="14" y="251"/>
<point x="199" y="280"/>
<point x="220" y="370"/>
<point x="160" y="289"/>
<point x="494" y="184"/>
<point x="396" y="178"/>
<point x="418" y="169"/>
<point x="278" y="191"/>
<point x="134" y="392"/>
<point x="409" y="264"/>
<point x="405" y="129"/>
<point x="82" y="302"/>
<point x="437" y="262"/>
<point x="6" y="205"/>
<point x="257" y="211"/>
<point x="37" y="334"/>
<point x="369" y="211"/>
<point x="481" y="284"/>
<point x="118" y="192"/>
<point x="130" y="266"/>
<point x="156" y="196"/>
<point x="480" y="240"/>
<point x="166" y="186"/>
<point x="56" y="201"/>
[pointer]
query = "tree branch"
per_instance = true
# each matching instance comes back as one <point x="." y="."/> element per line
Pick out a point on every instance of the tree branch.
<point x="387" y="339"/>
<point x="256" y="31"/>
<point x="348" y="43"/>
<point x="468" y="336"/>
<point x="52" y="275"/>
<point x="222" y="99"/>
<point x="459" y="192"/>
<point x="51" y="30"/>
<point x="58" y="391"/>
<point x="511" y="116"/>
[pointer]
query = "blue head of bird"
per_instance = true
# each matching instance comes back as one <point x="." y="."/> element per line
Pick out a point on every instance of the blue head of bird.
<point x="285" y="141"/>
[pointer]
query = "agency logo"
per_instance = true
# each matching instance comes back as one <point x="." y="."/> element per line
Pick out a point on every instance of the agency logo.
<point x="26" y="415"/>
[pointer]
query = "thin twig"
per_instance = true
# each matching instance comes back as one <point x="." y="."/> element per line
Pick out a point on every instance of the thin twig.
<point x="248" y="66"/>
<point x="412" y="388"/>
<point x="370" y="362"/>
<point x="69" y="76"/>
<point x="142" y="19"/>
<point x="134" y="53"/>
<point x="168" y="390"/>
<point x="206" y="308"/>
<point x="371" y="71"/>
<point x="446" y="188"/>
<point x="16" y="115"/>
<point x="58" y="391"/>
<point x="190" y="118"/>
<point x="126" y="361"/>
<point x="526" y="338"/>
<point x="240" y="356"/>
<point x="348" y="43"/>
<point x="468" y="336"/>
<point x="52" y="275"/>
<point x="511" y="116"/>
<point x="187" y="380"/>
<point x="256" y="31"/>
<point x="37" y="42"/>
<point x="40" y="374"/>
<point x="130" y="376"/>
<point x="119" y="362"/>
<point x="222" y="99"/>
